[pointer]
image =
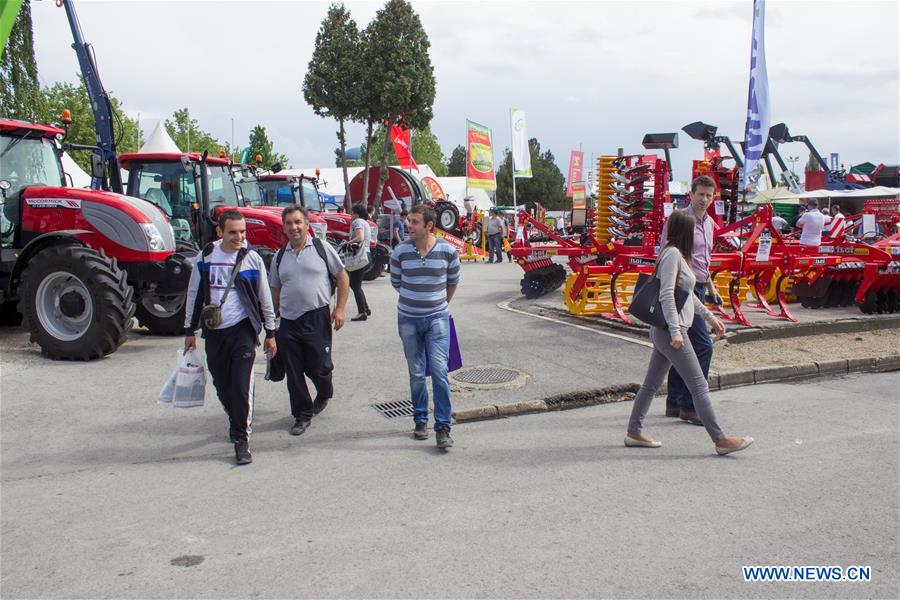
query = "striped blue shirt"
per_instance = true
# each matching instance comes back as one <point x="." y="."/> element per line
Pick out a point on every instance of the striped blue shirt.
<point x="422" y="282"/>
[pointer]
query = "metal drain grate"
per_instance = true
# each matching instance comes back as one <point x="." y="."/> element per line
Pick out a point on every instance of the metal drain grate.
<point x="486" y="375"/>
<point x="392" y="410"/>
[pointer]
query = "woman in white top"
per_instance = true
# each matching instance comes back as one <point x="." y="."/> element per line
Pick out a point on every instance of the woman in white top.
<point x="673" y="346"/>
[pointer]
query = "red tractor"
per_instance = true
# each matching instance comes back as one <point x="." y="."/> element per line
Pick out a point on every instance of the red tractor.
<point x="282" y="188"/>
<point x="191" y="190"/>
<point x="73" y="259"/>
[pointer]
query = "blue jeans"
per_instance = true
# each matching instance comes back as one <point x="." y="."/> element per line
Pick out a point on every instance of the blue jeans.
<point x="678" y="395"/>
<point x="431" y="332"/>
<point x="495" y="247"/>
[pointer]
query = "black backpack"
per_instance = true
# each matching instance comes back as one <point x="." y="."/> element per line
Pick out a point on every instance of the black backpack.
<point x="320" y="250"/>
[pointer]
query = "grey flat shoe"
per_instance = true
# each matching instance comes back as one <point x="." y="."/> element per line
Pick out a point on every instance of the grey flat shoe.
<point x="746" y="441"/>
<point x="633" y="443"/>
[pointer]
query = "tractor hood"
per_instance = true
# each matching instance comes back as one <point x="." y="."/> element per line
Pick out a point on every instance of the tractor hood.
<point x="130" y="222"/>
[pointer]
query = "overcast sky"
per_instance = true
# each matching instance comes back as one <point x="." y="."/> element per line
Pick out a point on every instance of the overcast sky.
<point x="595" y="74"/>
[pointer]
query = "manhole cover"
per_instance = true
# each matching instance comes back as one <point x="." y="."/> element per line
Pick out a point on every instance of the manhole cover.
<point x="486" y="375"/>
<point x="397" y="408"/>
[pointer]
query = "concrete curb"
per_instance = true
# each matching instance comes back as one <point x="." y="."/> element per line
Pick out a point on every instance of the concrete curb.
<point x="717" y="381"/>
<point x="752" y="334"/>
<point x="854" y="325"/>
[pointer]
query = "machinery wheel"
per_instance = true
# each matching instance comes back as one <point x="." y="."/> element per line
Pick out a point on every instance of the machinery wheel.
<point x="161" y="315"/>
<point x="447" y="217"/>
<point x="267" y="254"/>
<point x="373" y="270"/>
<point x="186" y="246"/>
<point x="76" y="303"/>
<point x="881" y="301"/>
<point x="813" y="302"/>
<point x="893" y="300"/>
<point x="10" y="315"/>
<point x="868" y="305"/>
<point x="532" y="288"/>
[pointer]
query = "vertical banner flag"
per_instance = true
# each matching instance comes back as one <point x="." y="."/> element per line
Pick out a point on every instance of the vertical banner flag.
<point x="480" y="167"/>
<point x="521" y="155"/>
<point x="578" y="198"/>
<point x="8" y="13"/>
<point x="400" y="139"/>
<point x="576" y="172"/>
<point x="756" y="131"/>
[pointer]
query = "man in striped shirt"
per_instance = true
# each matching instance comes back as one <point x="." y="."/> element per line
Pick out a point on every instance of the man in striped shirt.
<point x="425" y="271"/>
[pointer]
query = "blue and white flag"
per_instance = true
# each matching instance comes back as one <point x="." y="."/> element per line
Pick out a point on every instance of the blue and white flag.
<point x="758" y="110"/>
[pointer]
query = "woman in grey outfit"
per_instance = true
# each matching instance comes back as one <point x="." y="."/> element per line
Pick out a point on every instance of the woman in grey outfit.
<point x="673" y="347"/>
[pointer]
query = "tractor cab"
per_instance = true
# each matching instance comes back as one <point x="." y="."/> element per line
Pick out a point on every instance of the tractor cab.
<point x="283" y="190"/>
<point x="247" y="184"/>
<point x="188" y="188"/>
<point x="29" y="155"/>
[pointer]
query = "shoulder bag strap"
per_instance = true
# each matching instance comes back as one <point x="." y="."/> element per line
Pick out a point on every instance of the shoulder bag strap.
<point x="234" y="272"/>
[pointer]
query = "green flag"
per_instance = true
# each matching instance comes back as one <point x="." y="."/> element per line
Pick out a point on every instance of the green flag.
<point x="8" y="11"/>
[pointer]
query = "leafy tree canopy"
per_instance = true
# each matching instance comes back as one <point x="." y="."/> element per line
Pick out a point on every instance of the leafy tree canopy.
<point x="546" y="186"/>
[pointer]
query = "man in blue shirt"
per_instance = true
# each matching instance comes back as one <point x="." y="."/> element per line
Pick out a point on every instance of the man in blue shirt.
<point x="425" y="271"/>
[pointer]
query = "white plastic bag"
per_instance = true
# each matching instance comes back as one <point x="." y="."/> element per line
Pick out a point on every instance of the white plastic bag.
<point x="167" y="393"/>
<point x="190" y="381"/>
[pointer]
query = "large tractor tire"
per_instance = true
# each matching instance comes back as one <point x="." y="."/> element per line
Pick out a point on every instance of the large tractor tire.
<point x="373" y="271"/>
<point x="380" y="256"/>
<point x="267" y="255"/>
<point x="76" y="303"/>
<point x="447" y="217"/>
<point x="161" y="315"/>
<point x="10" y="315"/>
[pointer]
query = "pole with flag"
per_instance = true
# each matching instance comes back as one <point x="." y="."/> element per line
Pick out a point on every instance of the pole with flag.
<point x="521" y="155"/>
<point x="756" y="131"/>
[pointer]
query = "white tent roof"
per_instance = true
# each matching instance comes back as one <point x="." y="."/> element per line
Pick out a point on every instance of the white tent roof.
<point x="80" y="179"/>
<point x="159" y="141"/>
<point x="786" y="196"/>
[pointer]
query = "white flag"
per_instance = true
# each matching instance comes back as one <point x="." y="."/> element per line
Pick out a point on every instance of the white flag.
<point x="756" y="132"/>
<point x="521" y="156"/>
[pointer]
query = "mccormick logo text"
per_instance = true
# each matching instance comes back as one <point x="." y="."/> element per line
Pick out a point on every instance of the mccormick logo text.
<point x="53" y="203"/>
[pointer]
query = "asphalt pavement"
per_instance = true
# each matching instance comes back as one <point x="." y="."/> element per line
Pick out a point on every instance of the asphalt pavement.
<point x="106" y="494"/>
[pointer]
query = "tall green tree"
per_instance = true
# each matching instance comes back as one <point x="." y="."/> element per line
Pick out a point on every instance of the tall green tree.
<point x="402" y="86"/>
<point x="547" y="184"/>
<point x="262" y="145"/>
<point x="332" y="78"/>
<point x="188" y="136"/>
<point x="20" y="92"/>
<point x="425" y="149"/>
<point x="63" y="95"/>
<point x="456" y="166"/>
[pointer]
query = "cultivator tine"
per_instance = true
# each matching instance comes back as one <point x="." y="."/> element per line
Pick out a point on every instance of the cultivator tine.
<point x="618" y="311"/>
<point x="759" y="292"/>
<point x="734" y="288"/>
<point x="782" y="299"/>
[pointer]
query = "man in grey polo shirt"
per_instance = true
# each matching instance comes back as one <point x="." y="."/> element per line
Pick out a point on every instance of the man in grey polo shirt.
<point x="301" y="281"/>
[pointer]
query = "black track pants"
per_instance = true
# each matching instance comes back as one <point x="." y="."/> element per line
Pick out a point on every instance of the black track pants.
<point x="305" y="347"/>
<point x="356" y="281"/>
<point x="229" y="357"/>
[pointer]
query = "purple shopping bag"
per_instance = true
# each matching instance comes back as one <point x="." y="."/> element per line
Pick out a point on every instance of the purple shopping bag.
<point x="454" y="360"/>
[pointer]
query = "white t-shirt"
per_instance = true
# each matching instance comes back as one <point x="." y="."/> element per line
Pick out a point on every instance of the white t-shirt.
<point x="220" y="265"/>
<point x="778" y="222"/>
<point x="813" y="221"/>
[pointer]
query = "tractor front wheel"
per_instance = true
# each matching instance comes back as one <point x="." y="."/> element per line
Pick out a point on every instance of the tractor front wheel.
<point x="76" y="303"/>
<point x="447" y="217"/>
<point x="161" y="315"/>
